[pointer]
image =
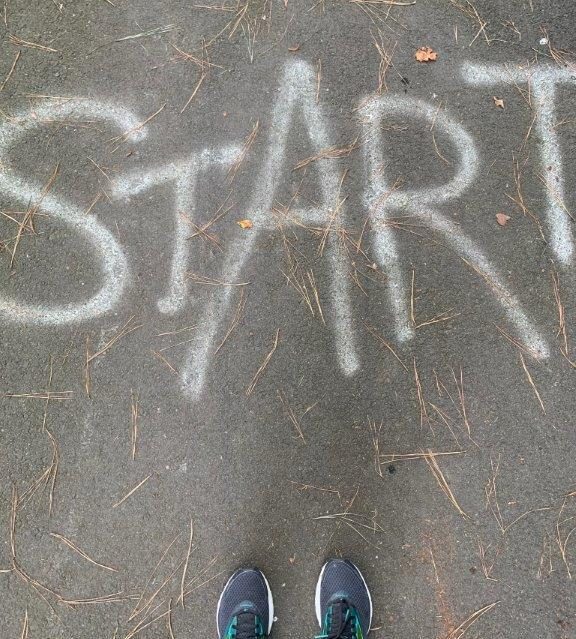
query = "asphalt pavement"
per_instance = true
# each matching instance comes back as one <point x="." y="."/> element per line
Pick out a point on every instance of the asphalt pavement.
<point x="282" y="281"/>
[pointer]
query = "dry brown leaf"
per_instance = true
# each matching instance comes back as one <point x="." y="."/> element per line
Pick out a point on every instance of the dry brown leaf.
<point x="296" y="47"/>
<point x="245" y="224"/>
<point x="502" y="218"/>
<point x="426" y="54"/>
<point x="498" y="102"/>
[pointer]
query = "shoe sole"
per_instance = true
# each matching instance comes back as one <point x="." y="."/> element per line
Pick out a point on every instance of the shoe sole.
<point x="270" y="602"/>
<point x="319" y="587"/>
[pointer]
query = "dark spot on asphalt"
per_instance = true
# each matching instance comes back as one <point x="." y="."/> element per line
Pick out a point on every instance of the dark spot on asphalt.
<point x="391" y="469"/>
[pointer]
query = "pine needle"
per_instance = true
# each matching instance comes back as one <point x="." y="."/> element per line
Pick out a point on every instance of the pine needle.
<point x="131" y="492"/>
<point x="263" y="366"/>
<point x="80" y="552"/>
<point x="439" y="477"/>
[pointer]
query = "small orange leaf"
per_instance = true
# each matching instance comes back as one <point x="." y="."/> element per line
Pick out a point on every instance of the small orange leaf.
<point x="245" y="224"/>
<point x="498" y="102"/>
<point x="426" y="54"/>
<point x="502" y="219"/>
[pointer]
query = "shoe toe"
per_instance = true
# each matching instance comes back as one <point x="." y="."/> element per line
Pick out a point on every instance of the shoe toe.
<point x="341" y="579"/>
<point x="247" y="587"/>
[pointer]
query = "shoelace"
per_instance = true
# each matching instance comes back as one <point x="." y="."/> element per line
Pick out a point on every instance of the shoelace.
<point x="342" y="623"/>
<point x="247" y="626"/>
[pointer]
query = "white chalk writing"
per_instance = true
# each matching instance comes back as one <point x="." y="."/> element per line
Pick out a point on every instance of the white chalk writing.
<point x="297" y="95"/>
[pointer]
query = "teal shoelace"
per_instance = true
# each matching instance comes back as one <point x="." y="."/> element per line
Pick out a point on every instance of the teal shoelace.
<point x="347" y="626"/>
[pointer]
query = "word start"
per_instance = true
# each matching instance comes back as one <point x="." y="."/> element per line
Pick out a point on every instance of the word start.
<point x="297" y="94"/>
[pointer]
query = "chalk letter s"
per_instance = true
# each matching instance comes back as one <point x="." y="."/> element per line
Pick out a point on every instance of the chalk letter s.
<point x="112" y="260"/>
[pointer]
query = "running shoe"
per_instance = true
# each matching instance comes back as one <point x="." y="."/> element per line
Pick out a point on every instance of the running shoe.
<point x="343" y="601"/>
<point x="245" y="608"/>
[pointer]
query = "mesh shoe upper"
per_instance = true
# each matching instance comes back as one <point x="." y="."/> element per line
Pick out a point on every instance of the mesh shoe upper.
<point x="343" y="602"/>
<point x="246" y="601"/>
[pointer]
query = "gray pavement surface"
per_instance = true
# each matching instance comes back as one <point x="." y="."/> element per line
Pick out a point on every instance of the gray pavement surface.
<point x="475" y="543"/>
